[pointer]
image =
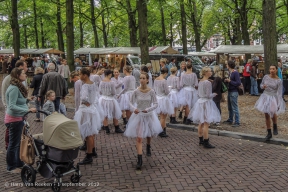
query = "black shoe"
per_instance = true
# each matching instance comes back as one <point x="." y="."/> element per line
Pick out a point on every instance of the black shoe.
<point x="184" y="120"/>
<point x="180" y="115"/>
<point x="94" y="154"/>
<point x="275" y="129"/>
<point x="171" y="119"/>
<point x="163" y="133"/>
<point x="125" y="121"/>
<point x="139" y="162"/>
<point x="83" y="147"/>
<point x="227" y="122"/>
<point x="174" y="121"/>
<point x="87" y="160"/>
<point x="207" y="144"/>
<point x="201" y="141"/>
<point x="118" y="130"/>
<point x="188" y="122"/>
<point x="268" y="137"/>
<point x="148" y="150"/>
<point x="107" y="130"/>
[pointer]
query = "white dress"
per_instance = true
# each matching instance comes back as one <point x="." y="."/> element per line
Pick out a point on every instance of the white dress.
<point x="271" y="100"/>
<point x="162" y="91"/>
<point x="150" y="84"/>
<point x="118" y="86"/>
<point x="143" y="124"/>
<point x="108" y="102"/>
<point x="188" y="93"/>
<point x="126" y="93"/>
<point x="174" y="86"/>
<point x="77" y="91"/>
<point x="205" y="109"/>
<point x="89" y="118"/>
<point x="96" y="79"/>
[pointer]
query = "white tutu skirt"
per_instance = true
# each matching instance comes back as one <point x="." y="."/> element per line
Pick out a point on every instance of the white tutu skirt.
<point x="143" y="125"/>
<point x="89" y="120"/>
<point x="188" y="96"/>
<point x="269" y="104"/>
<point x="164" y="105"/>
<point x="174" y="98"/>
<point x="125" y="101"/>
<point x="205" y="110"/>
<point x="111" y="108"/>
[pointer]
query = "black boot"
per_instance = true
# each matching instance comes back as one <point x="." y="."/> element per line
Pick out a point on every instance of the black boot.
<point x="148" y="150"/>
<point x="188" y="122"/>
<point x="118" y="130"/>
<point x="83" y="147"/>
<point x="107" y="129"/>
<point x="87" y="160"/>
<point x="207" y="144"/>
<point x="139" y="162"/>
<point x="201" y="141"/>
<point x="174" y="120"/>
<point x="94" y="154"/>
<point x="163" y="133"/>
<point x="184" y="120"/>
<point x="124" y="120"/>
<point x="171" y="120"/>
<point x="180" y="115"/>
<point x="269" y="135"/>
<point x="275" y="129"/>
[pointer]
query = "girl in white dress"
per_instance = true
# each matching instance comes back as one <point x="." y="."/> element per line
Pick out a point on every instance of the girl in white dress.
<point x="164" y="104"/>
<point x="118" y="81"/>
<point x="145" y="69"/>
<point x="87" y="116"/>
<point x="271" y="102"/>
<point x="205" y="110"/>
<point x="144" y="122"/>
<point x="108" y="102"/>
<point x="125" y="95"/>
<point x="174" y="86"/>
<point x="98" y="77"/>
<point x="188" y="94"/>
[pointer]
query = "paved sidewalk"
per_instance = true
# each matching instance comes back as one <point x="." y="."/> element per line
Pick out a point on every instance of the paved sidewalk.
<point x="177" y="164"/>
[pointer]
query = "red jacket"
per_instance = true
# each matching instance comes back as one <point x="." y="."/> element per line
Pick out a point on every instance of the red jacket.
<point x="245" y="73"/>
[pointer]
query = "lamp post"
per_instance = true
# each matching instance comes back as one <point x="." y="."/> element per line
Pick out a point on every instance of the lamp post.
<point x="115" y="40"/>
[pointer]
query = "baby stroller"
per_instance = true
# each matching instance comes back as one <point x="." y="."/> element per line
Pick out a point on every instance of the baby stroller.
<point x="55" y="149"/>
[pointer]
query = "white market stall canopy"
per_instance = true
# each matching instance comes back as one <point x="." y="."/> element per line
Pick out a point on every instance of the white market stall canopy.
<point x="112" y="50"/>
<point x="32" y="51"/>
<point x="247" y="49"/>
<point x="163" y="49"/>
<point x="201" y="54"/>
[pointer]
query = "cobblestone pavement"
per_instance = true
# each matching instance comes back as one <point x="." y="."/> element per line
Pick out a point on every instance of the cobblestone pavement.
<point x="177" y="164"/>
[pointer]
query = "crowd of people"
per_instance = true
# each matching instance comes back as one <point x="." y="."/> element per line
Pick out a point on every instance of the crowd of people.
<point x="141" y="101"/>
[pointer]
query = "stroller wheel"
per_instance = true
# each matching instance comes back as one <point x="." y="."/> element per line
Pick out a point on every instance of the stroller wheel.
<point x="75" y="178"/>
<point x="56" y="186"/>
<point x="28" y="175"/>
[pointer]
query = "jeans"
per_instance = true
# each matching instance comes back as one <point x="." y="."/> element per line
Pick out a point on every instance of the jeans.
<point x="57" y="103"/>
<point x="254" y="86"/>
<point x="12" y="156"/>
<point x="233" y="107"/>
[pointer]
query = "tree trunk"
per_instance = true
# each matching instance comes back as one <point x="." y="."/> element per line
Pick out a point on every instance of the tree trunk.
<point x="196" y="27"/>
<point x="25" y="36"/>
<point x="93" y="22"/>
<point x="15" y="29"/>
<point x="35" y="24"/>
<point x="42" y="34"/>
<point x="105" y="38"/>
<point x="132" y="25"/>
<point x="163" y="27"/>
<point x="183" y="27"/>
<point x="171" y="30"/>
<point x="143" y="30"/>
<point x="70" y="34"/>
<point x="59" y="28"/>
<point x="269" y="33"/>
<point x="81" y="28"/>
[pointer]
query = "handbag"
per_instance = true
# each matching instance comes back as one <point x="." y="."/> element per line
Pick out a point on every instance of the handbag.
<point x="241" y="89"/>
<point x="224" y="88"/>
<point x="27" y="151"/>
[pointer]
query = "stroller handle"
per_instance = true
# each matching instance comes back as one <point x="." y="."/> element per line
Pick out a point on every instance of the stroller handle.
<point x="32" y="112"/>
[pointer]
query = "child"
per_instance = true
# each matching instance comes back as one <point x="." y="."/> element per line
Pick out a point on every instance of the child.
<point x="144" y="122"/>
<point x="205" y="110"/>
<point x="88" y="116"/>
<point x="49" y="107"/>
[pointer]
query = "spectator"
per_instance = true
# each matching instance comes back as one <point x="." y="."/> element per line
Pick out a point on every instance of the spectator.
<point x="64" y="70"/>
<point x="5" y="65"/>
<point x="78" y="64"/>
<point x="16" y="97"/>
<point x="171" y="64"/>
<point x="39" y="72"/>
<point x="234" y="82"/>
<point x="279" y="73"/>
<point x="217" y="88"/>
<point x="182" y="69"/>
<point x="53" y="81"/>
<point x="246" y="75"/>
<point x="253" y="78"/>
<point x="136" y="73"/>
<point x="49" y="107"/>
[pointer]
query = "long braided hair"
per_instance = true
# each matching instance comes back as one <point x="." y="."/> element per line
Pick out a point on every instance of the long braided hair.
<point x="15" y="74"/>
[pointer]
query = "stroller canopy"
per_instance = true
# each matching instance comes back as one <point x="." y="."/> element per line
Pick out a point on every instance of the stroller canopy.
<point x="61" y="132"/>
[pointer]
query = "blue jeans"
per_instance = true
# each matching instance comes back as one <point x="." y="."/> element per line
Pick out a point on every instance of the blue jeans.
<point x="233" y="107"/>
<point x="57" y="103"/>
<point x="12" y="156"/>
<point x="254" y="86"/>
